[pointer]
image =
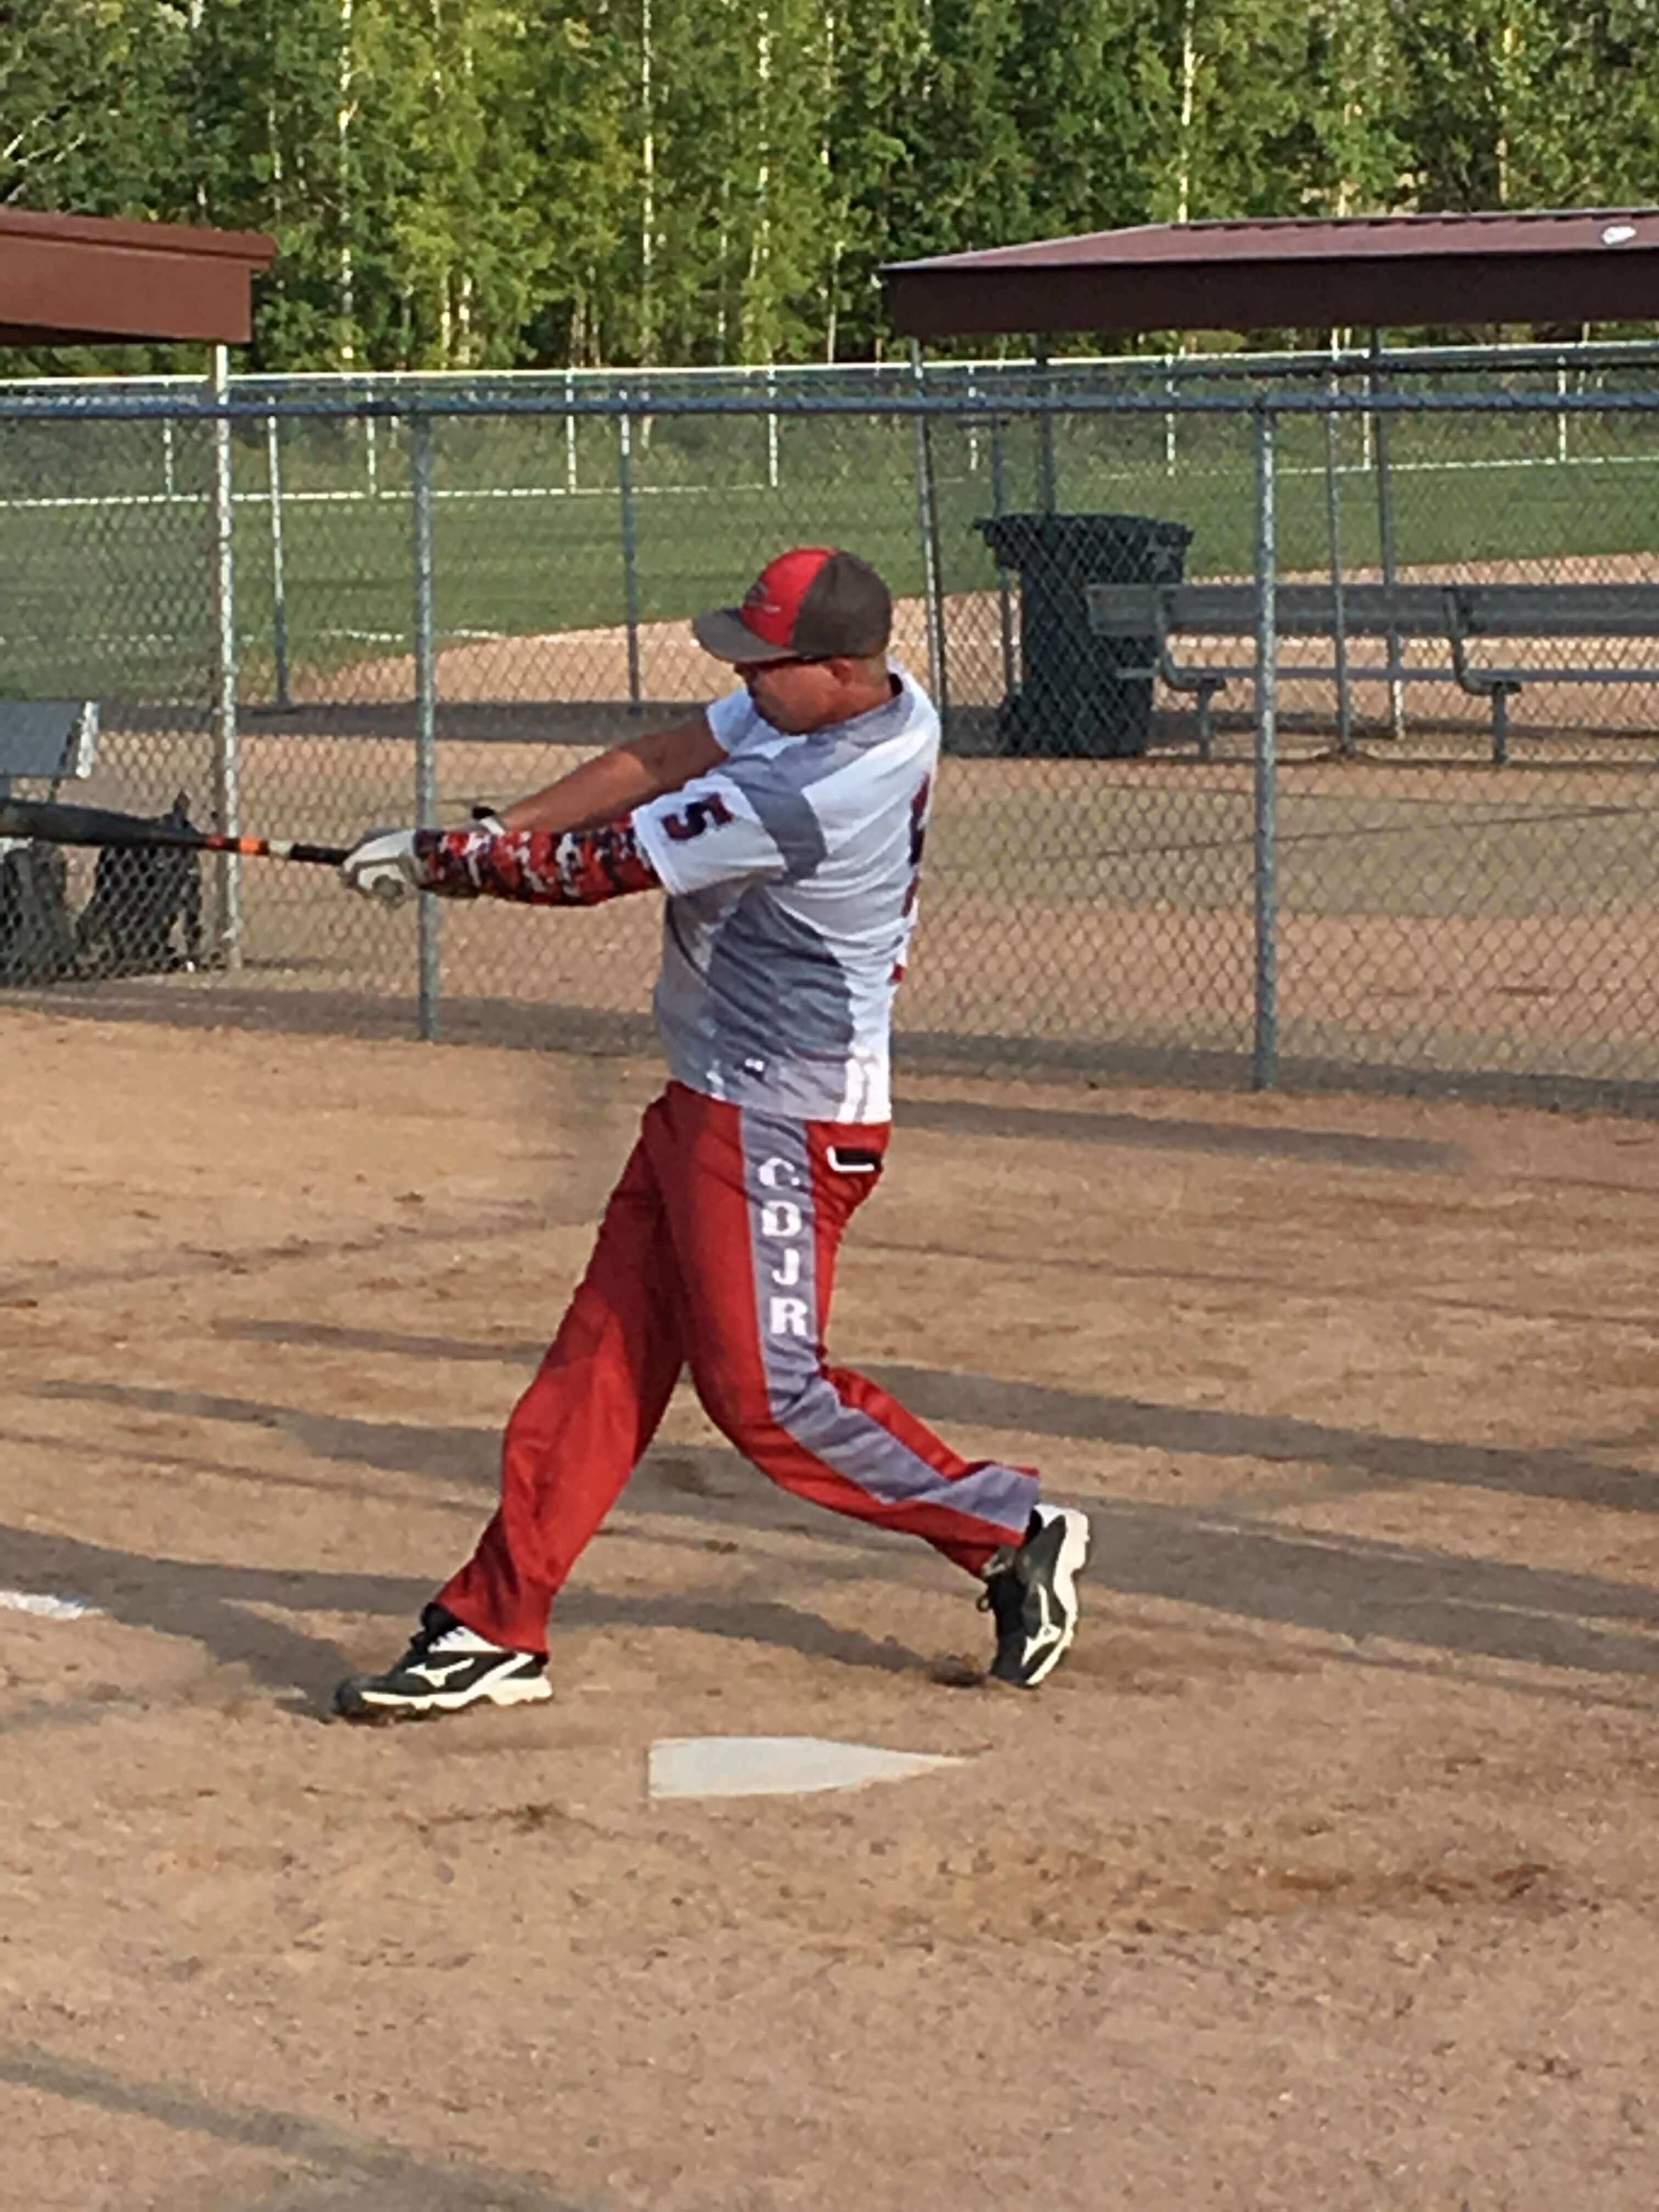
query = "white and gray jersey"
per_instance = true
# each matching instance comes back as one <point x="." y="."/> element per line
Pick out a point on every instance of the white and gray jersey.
<point x="791" y="871"/>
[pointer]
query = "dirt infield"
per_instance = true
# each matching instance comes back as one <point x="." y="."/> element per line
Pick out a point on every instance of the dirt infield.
<point x="1321" y="1876"/>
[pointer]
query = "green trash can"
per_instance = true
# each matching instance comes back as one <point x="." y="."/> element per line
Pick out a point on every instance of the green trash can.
<point x="1076" y="700"/>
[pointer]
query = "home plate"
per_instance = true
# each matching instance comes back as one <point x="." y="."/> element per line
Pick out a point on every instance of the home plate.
<point x="776" y="1766"/>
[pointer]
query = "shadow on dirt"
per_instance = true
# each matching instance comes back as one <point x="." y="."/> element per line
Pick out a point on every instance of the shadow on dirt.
<point x="1230" y="1562"/>
<point x="556" y="1026"/>
<point x="212" y="1604"/>
<point x="968" y="1117"/>
<point x="321" y="2167"/>
<point x="1369" y="1456"/>
<point x="1362" y="1456"/>
<point x="461" y="1455"/>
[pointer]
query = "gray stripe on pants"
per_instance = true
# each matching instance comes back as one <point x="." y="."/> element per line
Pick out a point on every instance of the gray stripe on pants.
<point x="802" y="1399"/>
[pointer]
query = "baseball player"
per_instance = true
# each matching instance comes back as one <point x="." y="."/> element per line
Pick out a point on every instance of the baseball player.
<point x="785" y="824"/>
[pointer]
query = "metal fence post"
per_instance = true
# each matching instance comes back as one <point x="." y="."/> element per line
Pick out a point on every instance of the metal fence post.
<point x="425" y="699"/>
<point x="1339" y="630"/>
<point x="771" y="431"/>
<point x="1004" y="596"/>
<point x="927" y="525"/>
<point x="1385" y="545"/>
<point x="1265" y="1063"/>
<point x="278" y="587"/>
<point x="1169" y="420"/>
<point x="570" y="430"/>
<point x="629" y="550"/>
<point x="1561" y="419"/>
<point x="226" y="750"/>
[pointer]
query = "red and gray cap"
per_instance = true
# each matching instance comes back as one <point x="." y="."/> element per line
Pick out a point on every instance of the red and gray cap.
<point x="810" y="604"/>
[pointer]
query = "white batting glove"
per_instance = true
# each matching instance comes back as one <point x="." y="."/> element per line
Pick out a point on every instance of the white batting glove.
<point x="384" y="866"/>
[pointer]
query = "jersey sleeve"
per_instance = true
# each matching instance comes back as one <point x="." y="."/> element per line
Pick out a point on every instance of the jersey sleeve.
<point x="707" y="832"/>
<point x="732" y="718"/>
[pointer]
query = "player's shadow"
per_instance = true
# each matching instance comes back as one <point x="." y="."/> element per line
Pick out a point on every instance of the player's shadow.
<point x="1362" y="1589"/>
<point x="969" y="1117"/>
<point x="215" y="1604"/>
<point x="210" y="1602"/>
<point x="710" y="1483"/>
<point x="1223" y="1560"/>
<point x="461" y="1454"/>
<point x="1358" y="1456"/>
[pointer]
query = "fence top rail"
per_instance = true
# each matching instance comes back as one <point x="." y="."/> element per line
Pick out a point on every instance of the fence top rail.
<point x="200" y="406"/>
<point x="1344" y="360"/>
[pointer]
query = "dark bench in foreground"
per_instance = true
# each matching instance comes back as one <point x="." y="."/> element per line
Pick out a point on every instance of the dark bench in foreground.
<point x="1456" y="613"/>
<point x="45" y="740"/>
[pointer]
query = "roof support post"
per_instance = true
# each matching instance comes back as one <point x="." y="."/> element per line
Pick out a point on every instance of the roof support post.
<point x="1339" y="631"/>
<point x="927" y="529"/>
<point x="1046" y="489"/>
<point x="1264" y="1073"/>
<point x="227" y="749"/>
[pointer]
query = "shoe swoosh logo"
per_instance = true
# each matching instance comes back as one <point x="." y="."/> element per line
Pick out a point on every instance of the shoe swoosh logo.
<point x="1048" y="1633"/>
<point x="441" y="1674"/>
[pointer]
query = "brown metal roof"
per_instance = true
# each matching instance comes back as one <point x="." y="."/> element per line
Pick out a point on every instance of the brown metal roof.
<point x="1578" y="265"/>
<point x="78" y="279"/>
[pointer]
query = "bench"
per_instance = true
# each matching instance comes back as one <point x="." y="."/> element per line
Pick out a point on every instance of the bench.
<point x="47" y="740"/>
<point x="1457" y="614"/>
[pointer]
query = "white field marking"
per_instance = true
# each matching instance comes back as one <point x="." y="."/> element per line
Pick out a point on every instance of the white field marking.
<point x="46" y="1606"/>
<point x="776" y="1766"/>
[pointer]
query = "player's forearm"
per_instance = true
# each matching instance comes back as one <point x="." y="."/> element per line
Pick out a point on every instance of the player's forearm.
<point x="536" y="867"/>
<point x="610" y="786"/>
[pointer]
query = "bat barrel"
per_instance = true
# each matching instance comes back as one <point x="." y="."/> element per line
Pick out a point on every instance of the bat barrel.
<point x="51" y="824"/>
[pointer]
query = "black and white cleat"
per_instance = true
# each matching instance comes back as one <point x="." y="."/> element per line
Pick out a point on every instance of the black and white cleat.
<point x="1030" y="1591"/>
<point x="447" y="1668"/>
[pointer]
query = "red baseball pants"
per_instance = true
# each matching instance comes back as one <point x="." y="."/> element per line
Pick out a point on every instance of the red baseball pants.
<point x="717" y="1252"/>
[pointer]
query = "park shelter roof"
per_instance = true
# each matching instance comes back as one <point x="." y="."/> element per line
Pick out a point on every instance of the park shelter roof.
<point x="1574" y="265"/>
<point x="82" y="280"/>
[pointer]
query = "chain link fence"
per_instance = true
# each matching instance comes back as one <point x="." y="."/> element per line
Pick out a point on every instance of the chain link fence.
<point x="1301" y="713"/>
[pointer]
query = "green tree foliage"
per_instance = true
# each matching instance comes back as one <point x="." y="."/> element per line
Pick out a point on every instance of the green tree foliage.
<point x="258" y="148"/>
<point x="90" y="96"/>
<point x="1270" y="107"/>
<point x="447" y="175"/>
<point x="482" y="182"/>
<point x="1532" y="103"/>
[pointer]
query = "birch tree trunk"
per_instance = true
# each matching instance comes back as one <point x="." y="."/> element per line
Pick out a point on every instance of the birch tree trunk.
<point x="343" y="115"/>
<point x="647" y="188"/>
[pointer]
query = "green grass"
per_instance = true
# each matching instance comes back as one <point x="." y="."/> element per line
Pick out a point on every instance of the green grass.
<point x="115" y="600"/>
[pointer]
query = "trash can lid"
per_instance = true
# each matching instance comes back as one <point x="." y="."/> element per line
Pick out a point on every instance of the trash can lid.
<point x="1077" y="533"/>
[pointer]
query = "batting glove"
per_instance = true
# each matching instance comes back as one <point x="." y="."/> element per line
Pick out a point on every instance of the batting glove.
<point x="384" y="866"/>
